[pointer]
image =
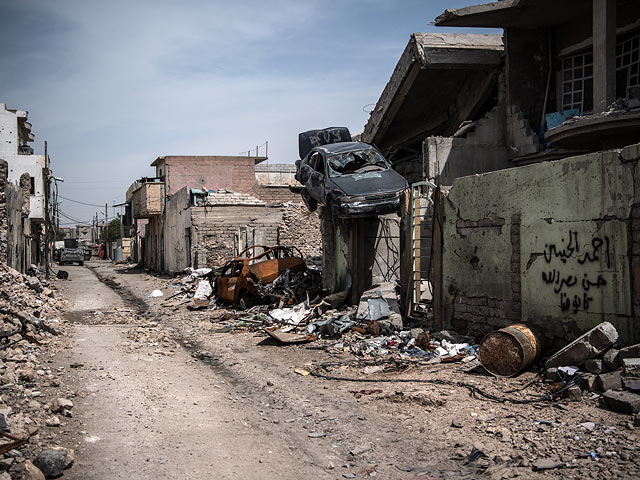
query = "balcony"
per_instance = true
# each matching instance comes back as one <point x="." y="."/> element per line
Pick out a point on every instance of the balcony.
<point x="146" y="199"/>
<point x="602" y="131"/>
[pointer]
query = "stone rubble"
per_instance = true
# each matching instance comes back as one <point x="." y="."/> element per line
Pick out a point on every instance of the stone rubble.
<point x="32" y="404"/>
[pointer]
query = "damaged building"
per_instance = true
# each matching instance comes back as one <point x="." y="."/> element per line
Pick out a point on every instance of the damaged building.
<point x="23" y="171"/>
<point x="561" y="81"/>
<point x="200" y="211"/>
<point x="557" y="236"/>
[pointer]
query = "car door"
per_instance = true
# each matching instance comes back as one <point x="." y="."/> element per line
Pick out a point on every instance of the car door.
<point x="315" y="183"/>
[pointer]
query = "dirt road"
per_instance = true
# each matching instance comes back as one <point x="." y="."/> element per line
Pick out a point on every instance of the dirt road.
<point x="163" y="392"/>
<point x="144" y="414"/>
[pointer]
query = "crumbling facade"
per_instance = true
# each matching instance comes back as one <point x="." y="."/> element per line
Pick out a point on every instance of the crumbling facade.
<point x="555" y="245"/>
<point x="15" y="227"/>
<point x="563" y="80"/>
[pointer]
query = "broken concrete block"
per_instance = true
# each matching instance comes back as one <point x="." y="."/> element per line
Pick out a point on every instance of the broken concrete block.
<point x="51" y="462"/>
<point x="595" y="365"/>
<point x="34" y="284"/>
<point x="622" y="402"/>
<point x="629" y="352"/>
<point x="574" y="394"/>
<point x="631" y="383"/>
<point x="609" y="381"/>
<point x="631" y="367"/>
<point x="611" y="359"/>
<point x="589" y="345"/>
<point x="59" y="405"/>
<point x="552" y="374"/>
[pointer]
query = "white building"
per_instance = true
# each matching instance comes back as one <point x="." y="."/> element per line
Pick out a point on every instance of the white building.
<point x="15" y="133"/>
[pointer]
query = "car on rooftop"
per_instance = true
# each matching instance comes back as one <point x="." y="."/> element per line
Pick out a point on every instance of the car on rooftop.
<point x="351" y="179"/>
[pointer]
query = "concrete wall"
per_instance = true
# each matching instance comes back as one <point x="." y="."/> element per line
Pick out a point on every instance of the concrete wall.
<point x="147" y="199"/>
<point x="208" y="172"/>
<point x="276" y="174"/>
<point x="221" y="232"/>
<point x="151" y="244"/>
<point x="275" y="194"/>
<point x="33" y="165"/>
<point x="177" y="222"/>
<point x="555" y="245"/>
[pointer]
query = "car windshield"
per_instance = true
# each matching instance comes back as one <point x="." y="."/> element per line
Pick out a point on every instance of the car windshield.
<point x="356" y="161"/>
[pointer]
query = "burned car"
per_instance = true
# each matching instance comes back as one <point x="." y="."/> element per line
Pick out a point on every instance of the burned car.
<point x="240" y="280"/>
<point x="352" y="179"/>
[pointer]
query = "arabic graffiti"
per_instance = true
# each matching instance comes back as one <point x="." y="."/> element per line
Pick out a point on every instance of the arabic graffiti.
<point x="562" y="282"/>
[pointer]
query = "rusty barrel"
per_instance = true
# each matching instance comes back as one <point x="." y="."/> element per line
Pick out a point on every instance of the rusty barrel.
<point x="509" y="350"/>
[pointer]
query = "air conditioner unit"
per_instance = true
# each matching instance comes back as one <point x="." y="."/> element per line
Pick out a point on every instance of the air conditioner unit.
<point x="25" y="150"/>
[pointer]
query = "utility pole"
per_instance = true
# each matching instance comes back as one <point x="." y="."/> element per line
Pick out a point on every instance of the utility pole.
<point x="107" y="243"/>
<point x="45" y="176"/>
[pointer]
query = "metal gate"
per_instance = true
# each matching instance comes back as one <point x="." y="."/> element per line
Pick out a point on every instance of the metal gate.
<point x="386" y="249"/>
<point x="421" y="241"/>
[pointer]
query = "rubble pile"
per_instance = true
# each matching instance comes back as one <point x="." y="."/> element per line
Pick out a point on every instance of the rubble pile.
<point x="31" y="403"/>
<point x="216" y="251"/>
<point x="609" y="374"/>
<point x="301" y="228"/>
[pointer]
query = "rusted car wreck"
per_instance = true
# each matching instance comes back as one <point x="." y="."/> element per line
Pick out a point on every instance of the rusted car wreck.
<point x="240" y="281"/>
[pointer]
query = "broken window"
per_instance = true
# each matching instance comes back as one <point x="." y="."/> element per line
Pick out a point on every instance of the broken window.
<point x="627" y="65"/>
<point x="357" y="161"/>
<point x="317" y="163"/>
<point x="577" y="82"/>
<point x="577" y="74"/>
<point x="32" y="191"/>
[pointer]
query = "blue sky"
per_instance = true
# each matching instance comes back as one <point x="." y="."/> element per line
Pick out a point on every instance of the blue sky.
<point x="111" y="85"/>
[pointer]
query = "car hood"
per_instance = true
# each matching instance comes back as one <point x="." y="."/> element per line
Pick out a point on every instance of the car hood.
<point x="370" y="183"/>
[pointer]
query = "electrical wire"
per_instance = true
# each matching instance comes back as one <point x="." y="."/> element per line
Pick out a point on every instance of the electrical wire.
<point x="548" y="397"/>
<point x="81" y="203"/>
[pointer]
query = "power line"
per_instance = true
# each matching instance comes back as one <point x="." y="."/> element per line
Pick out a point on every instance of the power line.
<point x="81" y="203"/>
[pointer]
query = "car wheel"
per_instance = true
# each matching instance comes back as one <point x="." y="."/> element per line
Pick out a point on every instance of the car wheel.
<point x="309" y="201"/>
<point x="81" y="264"/>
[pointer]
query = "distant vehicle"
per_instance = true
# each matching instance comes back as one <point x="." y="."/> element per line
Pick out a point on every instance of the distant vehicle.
<point x="71" y="253"/>
<point x="352" y="179"/>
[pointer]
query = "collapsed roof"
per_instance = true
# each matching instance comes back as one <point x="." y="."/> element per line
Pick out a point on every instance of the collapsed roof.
<point x="441" y="80"/>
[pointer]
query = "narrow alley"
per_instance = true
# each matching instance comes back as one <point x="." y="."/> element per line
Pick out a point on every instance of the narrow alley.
<point x="319" y="240"/>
